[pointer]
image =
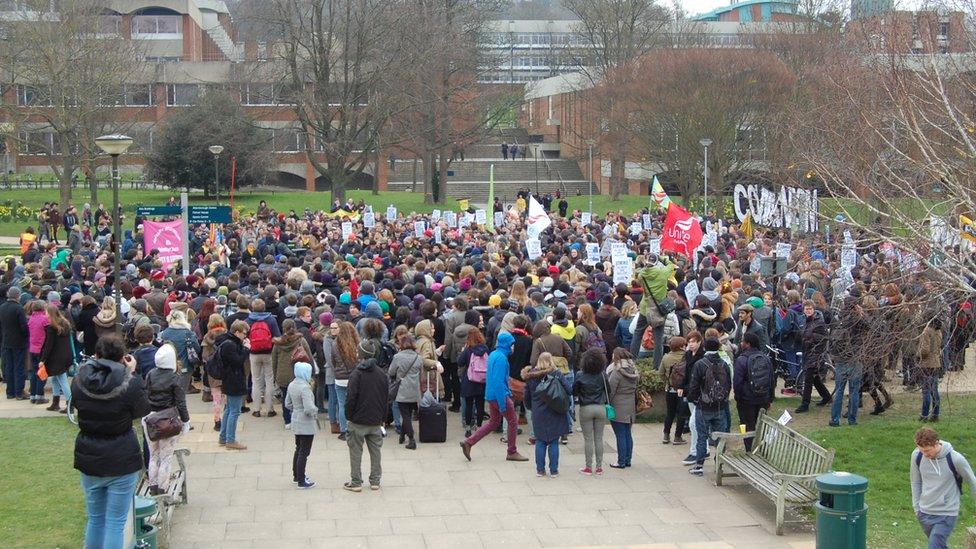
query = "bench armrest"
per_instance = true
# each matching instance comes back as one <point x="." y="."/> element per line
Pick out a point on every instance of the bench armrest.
<point x="733" y="436"/>
<point x="779" y="477"/>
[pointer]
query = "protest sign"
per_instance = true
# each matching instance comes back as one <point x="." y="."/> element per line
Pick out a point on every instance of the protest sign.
<point x="691" y="292"/>
<point x="346" y="230"/>
<point x="418" y="228"/>
<point x="586" y="218"/>
<point x="391" y="212"/>
<point x="437" y="235"/>
<point x="784" y="249"/>
<point x="369" y="220"/>
<point x="480" y="217"/>
<point x="534" y="248"/>
<point x="654" y="246"/>
<point x="592" y="253"/>
<point x="167" y="237"/>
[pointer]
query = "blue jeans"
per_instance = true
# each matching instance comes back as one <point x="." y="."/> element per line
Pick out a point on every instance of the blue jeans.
<point x="107" y="502"/>
<point x="937" y="528"/>
<point x="333" y="403"/>
<point x="13" y="370"/>
<point x="706" y="423"/>
<point x="61" y="386"/>
<point x="848" y="373"/>
<point x="36" y="385"/>
<point x="228" y="423"/>
<point x="397" y="417"/>
<point x="285" y="412"/>
<point x="541" y="449"/>
<point x="341" y="404"/>
<point x="930" y="393"/>
<point x="625" y="442"/>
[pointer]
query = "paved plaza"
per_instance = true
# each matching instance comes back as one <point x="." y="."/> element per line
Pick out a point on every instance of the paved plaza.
<point x="432" y="497"/>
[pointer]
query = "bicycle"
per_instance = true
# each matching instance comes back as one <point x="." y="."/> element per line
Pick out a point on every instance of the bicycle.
<point x="781" y="369"/>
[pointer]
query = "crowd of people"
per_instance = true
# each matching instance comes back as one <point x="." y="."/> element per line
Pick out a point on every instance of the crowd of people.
<point x="368" y="332"/>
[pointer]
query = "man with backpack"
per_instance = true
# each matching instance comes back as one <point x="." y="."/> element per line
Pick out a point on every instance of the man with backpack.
<point x="753" y="381"/>
<point x="263" y="330"/>
<point x="937" y="473"/>
<point x="709" y="388"/>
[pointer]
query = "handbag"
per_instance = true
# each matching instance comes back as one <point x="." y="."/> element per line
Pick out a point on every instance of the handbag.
<point x="642" y="401"/>
<point x="517" y="388"/>
<point x="42" y="372"/>
<point x="163" y="424"/>
<point x="395" y="385"/>
<point x="611" y="411"/>
<point x="666" y="306"/>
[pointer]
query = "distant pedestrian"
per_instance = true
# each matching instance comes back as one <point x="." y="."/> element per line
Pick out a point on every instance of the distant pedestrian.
<point x="513" y="150"/>
<point x="366" y="404"/>
<point x="937" y="473"/>
<point x="504" y="151"/>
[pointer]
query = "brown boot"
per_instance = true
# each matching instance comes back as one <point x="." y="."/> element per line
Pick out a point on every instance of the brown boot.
<point x="334" y="427"/>
<point x="235" y="446"/>
<point x="55" y="404"/>
<point x="516" y="457"/>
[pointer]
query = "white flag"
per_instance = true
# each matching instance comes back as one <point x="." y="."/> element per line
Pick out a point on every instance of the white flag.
<point x="537" y="215"/>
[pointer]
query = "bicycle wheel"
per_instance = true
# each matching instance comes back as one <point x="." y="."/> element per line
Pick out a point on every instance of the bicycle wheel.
<point x="800" y="381"/>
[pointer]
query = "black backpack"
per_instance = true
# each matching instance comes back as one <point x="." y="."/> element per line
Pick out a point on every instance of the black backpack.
<point x="760" y="374"/>
<point x="717" y="385"/>
<point x="384" y="358"/>
<point x="214" y="367"/>
<point x="551" y="391"/>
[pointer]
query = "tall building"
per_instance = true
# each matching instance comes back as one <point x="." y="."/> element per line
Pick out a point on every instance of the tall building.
<point x="870" y="8"/>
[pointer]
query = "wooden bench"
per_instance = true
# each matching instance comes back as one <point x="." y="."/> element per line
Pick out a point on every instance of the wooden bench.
<point x="782" y="465"/>
<point x="176" y="495"/>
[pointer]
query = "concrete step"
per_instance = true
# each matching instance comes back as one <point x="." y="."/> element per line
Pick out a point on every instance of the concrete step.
<point x="477" y="191"/>
<point x="505" y="170"/>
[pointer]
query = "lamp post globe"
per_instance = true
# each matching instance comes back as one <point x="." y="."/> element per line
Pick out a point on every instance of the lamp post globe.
<point x="115" y="145"/>
<point x="216" y="150"/>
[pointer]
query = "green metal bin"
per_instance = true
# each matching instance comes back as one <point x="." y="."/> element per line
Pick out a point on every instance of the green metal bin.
<point x="842" y="516"/>
<point x="145" y="532"/>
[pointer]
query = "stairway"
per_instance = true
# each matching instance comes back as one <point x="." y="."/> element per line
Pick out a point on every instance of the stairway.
<point x="217" y="33"/>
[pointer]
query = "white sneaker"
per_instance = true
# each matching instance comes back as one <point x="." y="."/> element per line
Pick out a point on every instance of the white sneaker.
<point x="288" y="426"/>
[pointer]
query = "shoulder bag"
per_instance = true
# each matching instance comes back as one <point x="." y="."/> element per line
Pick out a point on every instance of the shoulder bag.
<point x="611" y="412"/>
<point x="163" y="424"/>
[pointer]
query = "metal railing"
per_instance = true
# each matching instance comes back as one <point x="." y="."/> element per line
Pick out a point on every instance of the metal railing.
<point x="11" y="183"/>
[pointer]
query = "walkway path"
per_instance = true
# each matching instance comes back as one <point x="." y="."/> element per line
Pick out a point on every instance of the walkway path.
<point x="433" y="498"/>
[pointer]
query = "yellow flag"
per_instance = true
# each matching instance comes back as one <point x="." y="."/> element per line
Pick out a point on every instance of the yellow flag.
<point x="660" y="196"/>
<point x="747" y="227"/>
<point x="463" y="204"/>
<point x="967" y="228"/>
<point x="353" y="216"/>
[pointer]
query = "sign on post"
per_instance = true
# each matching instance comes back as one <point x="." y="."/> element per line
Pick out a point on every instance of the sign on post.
<point x="208" y="214"/>
<point x="157" y="211"/>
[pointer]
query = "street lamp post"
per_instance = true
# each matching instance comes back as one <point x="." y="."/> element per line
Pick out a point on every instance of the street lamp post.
<point x="536" y="154"/>
<point x="705" y="142"/>
<point x="115" y="145"/>
<point x="216" y="150"/>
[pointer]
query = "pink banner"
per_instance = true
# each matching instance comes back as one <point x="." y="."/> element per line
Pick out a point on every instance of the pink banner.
<point x="167" y="237"/>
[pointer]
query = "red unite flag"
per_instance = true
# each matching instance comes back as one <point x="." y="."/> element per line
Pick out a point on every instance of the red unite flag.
<point x="682" y="232"/>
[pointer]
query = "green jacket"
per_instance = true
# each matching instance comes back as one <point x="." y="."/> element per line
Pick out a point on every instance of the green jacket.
<point x="655" y="279"/>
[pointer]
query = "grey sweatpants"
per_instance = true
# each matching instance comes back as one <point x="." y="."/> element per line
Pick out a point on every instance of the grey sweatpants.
<point x="355" y="436"/>
<point x="937" y="528"/>
<point x="593" y="418"/>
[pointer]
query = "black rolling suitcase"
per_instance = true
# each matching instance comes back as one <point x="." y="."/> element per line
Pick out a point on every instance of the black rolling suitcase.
<point x="432" y="417"/>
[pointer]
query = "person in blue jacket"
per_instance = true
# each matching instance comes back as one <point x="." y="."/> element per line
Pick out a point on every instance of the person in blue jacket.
<point x="498" y="396"/>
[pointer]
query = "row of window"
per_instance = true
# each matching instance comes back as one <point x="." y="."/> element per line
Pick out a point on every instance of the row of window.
<point x="536" y="38"/>
<point x="141" y="95"/>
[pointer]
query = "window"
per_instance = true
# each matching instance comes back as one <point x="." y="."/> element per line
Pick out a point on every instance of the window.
<point x="182" y="95"/>
<point x="33" y="96"/>
<point x="266" y="94"/>
<point x="944" y="29"/>
<point x="164" y="27"/>
<point x="286" y="140"/>
<point x="130" y="95"/>
<point x="162" y="59"/>
<point x="110" y="25"/>
<point x="36" y="142"/>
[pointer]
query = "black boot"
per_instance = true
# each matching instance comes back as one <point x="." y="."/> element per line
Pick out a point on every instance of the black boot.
<point x="802" y="408"/>
<point x="878" y="409"/>
<point x="412" y="445"/>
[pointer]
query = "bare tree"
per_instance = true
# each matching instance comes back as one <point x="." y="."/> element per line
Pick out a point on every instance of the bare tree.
<point x="615" y="33"/>
<point x="72" y="70"/>
<point x="677" y="97"/>
<point x="334" y="61"/>
<point x="438" y="104"/>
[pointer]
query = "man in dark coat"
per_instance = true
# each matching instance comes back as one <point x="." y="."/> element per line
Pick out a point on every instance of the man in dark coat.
<point x="13" y="333"/>
<point x="367" y="400"/>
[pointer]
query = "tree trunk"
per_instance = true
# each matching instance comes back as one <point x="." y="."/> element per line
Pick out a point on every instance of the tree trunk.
<point x="617" y="166"/>
<point x="64" y="182"/>
<point x="93" y="186"/>
<point x="428" y="178"/>
<point x="338" y="189"/>
<point x="442" y="178"/>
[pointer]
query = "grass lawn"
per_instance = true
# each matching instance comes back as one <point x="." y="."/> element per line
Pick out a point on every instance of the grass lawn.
<point x="41" y="503"/>
<point x="879" y="448"/>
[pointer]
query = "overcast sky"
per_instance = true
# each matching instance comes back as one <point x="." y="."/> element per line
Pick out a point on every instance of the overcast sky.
<point x="693" y="7"/>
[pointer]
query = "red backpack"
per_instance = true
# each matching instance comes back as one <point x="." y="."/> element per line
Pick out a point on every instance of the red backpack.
<point x="260" y="336"/>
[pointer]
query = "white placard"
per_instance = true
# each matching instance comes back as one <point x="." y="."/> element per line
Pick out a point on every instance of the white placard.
<point x="346" y="229"/>
<point x="418" y="228"/>
<point x="534" y="248"/>
<point x="691" y="292"/>
<point x="636" y="228"/>
<point x="391" y="212"/>
<point x="451" y="219"/>
<point x="468" y="218"/>
<point x="368" y="208"/>
<point x="436" y="214"/>
<point x="848" y="257"/>
<point x="647" y="221"/>
<point x="623" y="270"/>
<point x="654" y="246"/>
<point x="784" y="249"/>
<point x="499" y="219"/>
<point x="533" y="232"/>
<point x="480" y="217"/>
<point x="848" y="239"/>
<point x="709" y="239"/>
<point x="369" y="220"/>
<point x="437" y="235"/>
<point x="618" y="248"/>
<point x="610" y="229"/>
<point x="586" y="217"/>
<point x="784" y="418"/>
<point x="592" y="253"/>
